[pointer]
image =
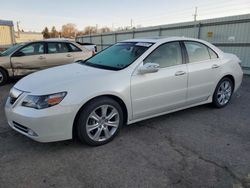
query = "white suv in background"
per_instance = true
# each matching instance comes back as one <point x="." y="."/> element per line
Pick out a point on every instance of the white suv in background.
<point x="26" y="58"/>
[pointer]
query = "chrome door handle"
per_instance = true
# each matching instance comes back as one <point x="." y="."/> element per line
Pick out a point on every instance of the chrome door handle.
<point x="41" y="57"/>
<point x="215" y="66"/>
<point x="179" y="73"/>
<point x="69" y="55"/>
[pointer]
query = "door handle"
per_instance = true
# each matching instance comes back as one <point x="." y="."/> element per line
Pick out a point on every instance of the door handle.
<point x="41" y="57"/>
<point x="69" y="55"/>
<point x="215" y="66"/>
<point x="179" y="73"/>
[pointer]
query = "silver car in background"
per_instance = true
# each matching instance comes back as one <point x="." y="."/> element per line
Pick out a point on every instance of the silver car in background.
<point x="26" y="58"/>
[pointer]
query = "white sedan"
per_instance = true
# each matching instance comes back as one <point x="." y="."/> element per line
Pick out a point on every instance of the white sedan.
<point x="128" y="82"/>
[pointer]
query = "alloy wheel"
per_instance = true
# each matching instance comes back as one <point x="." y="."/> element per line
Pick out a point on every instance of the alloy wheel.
<point x="224" y="92"/>
<point x="1" y="77"/>
<point x="102" y="123"/>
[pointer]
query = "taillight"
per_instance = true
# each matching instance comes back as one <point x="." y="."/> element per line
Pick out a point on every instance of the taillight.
<point x="93" y="53"/>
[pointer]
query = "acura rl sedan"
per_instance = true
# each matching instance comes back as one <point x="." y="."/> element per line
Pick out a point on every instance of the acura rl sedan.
<point x="128" y="82"/>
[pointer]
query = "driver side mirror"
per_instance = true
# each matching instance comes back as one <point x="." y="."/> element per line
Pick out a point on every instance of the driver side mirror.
<point x="149" y="68"/>
<point x="18" y="54"/>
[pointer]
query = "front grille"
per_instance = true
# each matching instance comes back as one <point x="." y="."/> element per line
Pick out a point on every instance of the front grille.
<point x="20" y="127"/>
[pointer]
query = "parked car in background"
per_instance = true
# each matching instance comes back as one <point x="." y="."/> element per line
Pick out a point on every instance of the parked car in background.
<point x="128" y="82"/>
<point x="89" y="46"/>
<point x="26" y="58"/>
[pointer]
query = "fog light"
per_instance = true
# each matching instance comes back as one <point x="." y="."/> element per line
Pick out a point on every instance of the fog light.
<point x="31" y="133"/>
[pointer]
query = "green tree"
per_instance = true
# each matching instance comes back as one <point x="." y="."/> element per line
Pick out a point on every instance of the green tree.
<point x="54" y="33"/>
<point x="46" y="33"/>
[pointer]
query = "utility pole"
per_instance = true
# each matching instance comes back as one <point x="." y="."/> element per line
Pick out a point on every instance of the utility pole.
<point x="96" y="28"/>
<point x="195" y="14"/>
<point x="18" y="29"/>
<point x="196" y="34"/>
<point x="131" y="23"/>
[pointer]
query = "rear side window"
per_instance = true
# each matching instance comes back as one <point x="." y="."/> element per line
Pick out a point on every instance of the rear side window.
<point x="74" y="48"/>
<point x="212" y="54"/>
<point x="197" y="52"/>
<point x="57" y="47"/>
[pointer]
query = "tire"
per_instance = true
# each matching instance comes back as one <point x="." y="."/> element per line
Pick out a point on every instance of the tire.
<point x="223" y="92"/>
<point x="94" y="126"/>
<point x="3" y="77"/>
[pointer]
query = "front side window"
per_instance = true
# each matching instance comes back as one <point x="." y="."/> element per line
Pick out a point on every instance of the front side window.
<point x="32" y="49"/>
<point x="118" y="56"/>
<point x="197" y="52"/>
<point x="10" y="50"/>
<point x="57" y="47"/>
<point x="166" y="55"/>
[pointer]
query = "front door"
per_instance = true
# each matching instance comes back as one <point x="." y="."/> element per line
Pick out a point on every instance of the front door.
<point x="29" y="59"/>
<point x="162" y="91"/>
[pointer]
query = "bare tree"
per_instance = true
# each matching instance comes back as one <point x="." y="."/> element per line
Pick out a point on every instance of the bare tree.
<point x="69" y="30"/>
<point x="89" y="30"/>
<point x="104" y="30"/>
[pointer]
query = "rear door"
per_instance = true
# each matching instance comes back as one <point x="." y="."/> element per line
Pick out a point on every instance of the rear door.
<point x="29" y="58"/>
<point x="58" y="53"/>
<point x="204" y="70"/>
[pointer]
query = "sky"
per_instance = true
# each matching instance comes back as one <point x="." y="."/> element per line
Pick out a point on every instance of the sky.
<point x="35" y="15"/>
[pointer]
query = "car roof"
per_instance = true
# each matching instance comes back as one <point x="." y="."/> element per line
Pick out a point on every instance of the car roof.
<point x="161" y="39"/>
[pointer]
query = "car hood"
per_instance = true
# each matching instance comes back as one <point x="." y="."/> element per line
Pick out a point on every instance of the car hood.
<point x="60" y="78"/>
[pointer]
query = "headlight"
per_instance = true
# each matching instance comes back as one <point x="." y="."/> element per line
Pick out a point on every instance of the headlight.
<point x="44" y="101"/>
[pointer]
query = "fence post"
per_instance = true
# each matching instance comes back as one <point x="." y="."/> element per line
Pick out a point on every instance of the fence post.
<point x="160" y="30"/>
<point x="90" y="38"/>
<point x="101" y="42"/>
<point x="115" y="38"/>
<point x="199" y="31"/>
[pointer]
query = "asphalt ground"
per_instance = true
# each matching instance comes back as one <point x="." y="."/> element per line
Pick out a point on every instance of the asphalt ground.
<point x="198" y="147"/>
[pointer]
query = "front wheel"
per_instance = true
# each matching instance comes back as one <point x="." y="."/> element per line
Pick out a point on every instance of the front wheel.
<point x="223" y="93"/>
<point x="3" y="77"/>
<point x="99" y="121"/>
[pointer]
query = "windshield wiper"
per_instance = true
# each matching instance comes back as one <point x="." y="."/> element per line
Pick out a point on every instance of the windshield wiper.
<point x="99" y="66"/>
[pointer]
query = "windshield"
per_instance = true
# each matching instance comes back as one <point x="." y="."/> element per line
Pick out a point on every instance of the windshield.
<point x="118" y="56"/>
<point x="10" y="50"/>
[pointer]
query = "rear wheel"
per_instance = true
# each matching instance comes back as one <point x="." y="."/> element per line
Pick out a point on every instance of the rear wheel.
<point x="223" y="92"/>
<point x="99" y="121"/>
<point x="3" y="76"/>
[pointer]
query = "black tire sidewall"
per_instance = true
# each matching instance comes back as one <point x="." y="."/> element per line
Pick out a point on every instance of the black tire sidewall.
<point x="84" y="113"/>
<point x="215" y="100"/>
<point x="5" y="77"/>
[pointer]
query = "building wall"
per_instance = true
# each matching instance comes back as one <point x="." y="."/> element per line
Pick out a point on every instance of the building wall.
<point x="5" y="35"/>
<point x="27" y="36"/>
<point x="231" y="34"/>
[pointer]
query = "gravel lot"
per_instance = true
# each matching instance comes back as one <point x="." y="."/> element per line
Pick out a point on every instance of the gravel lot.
<point x="197" y="147"/>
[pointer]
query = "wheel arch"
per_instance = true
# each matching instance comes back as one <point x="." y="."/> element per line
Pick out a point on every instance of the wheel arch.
<point x="231" y="77"/>
<point x="114" y="97"/>
<point x="7" y="73"/>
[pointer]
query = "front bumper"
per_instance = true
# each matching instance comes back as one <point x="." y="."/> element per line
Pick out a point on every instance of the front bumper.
<point x="46" y="125"/>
